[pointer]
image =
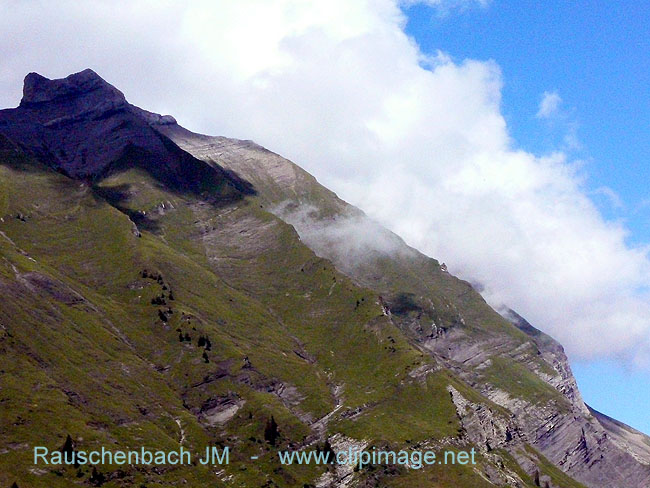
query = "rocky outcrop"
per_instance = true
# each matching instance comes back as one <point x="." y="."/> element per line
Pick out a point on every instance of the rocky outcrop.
<point x="83" y="127"/>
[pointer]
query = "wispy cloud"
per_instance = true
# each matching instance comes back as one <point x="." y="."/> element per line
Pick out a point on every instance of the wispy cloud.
<point x="612" y="197"/>
<point x="355" y="240"/>
<point x="557" y="118"/>
<point x="549" y="105"/>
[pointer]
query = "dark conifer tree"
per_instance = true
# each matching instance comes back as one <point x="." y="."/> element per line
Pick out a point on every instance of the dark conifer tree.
<point x="329" y="452"/>
<point x="68" y="450"/>
<point x="271" y="431"/>
<point x="97" y="478"/>
<point x="68" y="446"/>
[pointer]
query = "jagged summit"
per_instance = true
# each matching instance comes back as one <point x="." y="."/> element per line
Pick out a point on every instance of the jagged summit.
<point x="83" y="93"/>
<point x="39" y="89"/>
<point x="84" y="127"/>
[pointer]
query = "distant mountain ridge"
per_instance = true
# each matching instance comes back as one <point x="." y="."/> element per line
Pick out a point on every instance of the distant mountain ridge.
<point x="146" y="242"/>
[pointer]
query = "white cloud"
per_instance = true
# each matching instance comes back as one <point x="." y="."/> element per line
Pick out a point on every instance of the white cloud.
<point x="549" y="105"/>
<point x="339" y="88"/>
<point x="355" y="239"/>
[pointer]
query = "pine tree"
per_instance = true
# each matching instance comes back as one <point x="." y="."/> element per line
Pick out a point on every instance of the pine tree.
<point x="68" y="450"/>
<point x="271" y="431"/>
<point x="97" y="478"/>
<point x="68" y="446"/>
<point x="329" y="452"/>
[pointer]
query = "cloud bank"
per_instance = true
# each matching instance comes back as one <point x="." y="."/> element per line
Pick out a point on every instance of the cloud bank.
<point x="419" y="142"/>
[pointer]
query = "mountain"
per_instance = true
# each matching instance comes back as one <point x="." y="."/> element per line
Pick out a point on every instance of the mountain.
<point x="162" y="288"/>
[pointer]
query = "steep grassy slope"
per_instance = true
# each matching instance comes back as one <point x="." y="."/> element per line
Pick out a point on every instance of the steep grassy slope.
<point x="423" y="298"/>
<point x="85" y="353"/>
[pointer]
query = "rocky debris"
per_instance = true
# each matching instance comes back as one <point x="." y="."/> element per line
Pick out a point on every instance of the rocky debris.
<point x="219" y="410"/>
<point x="421" y="372"/>
<point x="304" y="355"/>
<point x="482" y="426"/>
<point x="75" y="398"/>
<point x="342" y="475"/>
<point x="134" y="230"/>
<point x="51" y="288"/>
<point x="181" y="439"/>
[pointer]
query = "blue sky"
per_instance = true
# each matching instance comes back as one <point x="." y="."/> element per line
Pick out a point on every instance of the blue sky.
<point x="596" y="57"/>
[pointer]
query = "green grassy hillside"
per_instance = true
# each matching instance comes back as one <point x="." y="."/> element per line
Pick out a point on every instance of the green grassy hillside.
<point x="133" y="315"/>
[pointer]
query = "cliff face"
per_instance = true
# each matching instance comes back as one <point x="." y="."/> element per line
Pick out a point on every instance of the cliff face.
<point x="169" y="288"/>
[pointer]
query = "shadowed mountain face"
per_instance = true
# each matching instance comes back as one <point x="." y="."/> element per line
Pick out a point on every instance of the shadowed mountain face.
<point x="164" y="288"/>
<point x="84" y="128"/>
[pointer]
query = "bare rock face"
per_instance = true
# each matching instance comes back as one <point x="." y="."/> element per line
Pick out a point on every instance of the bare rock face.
<point x="590" y="447"/>
<point x="79" y="125"/>
<point x="95" y="91"/>
<point x="83" y="127"/>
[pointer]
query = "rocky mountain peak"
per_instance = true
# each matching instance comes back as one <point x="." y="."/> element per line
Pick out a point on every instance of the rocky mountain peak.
<point x="84" y="127"/>
<point x="38" y="89"/>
